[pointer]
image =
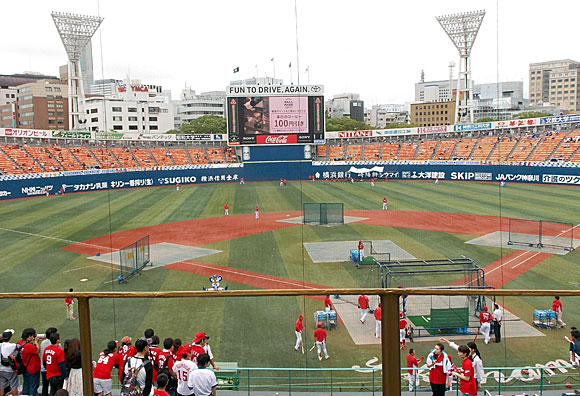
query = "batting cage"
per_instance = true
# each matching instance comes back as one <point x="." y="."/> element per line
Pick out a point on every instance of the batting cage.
<point x="373" y="253"/>
<point x="133" y="258"/>
<point x="323" y="213"/>
<point x="431" y="315"/>
<point x="540" y="233"/>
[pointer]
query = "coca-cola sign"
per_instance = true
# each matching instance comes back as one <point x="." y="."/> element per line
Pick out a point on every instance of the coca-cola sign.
<point x="276" y="139"/>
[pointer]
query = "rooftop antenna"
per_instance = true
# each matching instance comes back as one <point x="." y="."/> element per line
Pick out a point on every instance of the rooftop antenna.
<point x="75" y="32"/>
<point x="462" y="29"/>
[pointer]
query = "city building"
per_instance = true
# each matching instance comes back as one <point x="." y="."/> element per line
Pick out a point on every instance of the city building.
<point x="555" y="83"/>
<point x="132" y="108"/>
<point x="106" y="87"/>
<point x="345" y="105"/>
<point x="258" y="81"/>
<point x="433" y="113"/>
<point x="499" y="101"/>
<point x="381" y="115"/>
<point x="33" y="101"/>
<point x="433" y="91"/>
<point x="192" y="106"/>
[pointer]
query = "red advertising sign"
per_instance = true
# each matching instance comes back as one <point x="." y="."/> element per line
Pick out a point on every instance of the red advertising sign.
<point x="276" y="139"/>
<point x="349" y="134"/>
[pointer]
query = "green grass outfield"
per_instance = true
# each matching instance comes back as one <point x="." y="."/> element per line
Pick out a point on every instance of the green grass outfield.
<point x="259" y="331"/>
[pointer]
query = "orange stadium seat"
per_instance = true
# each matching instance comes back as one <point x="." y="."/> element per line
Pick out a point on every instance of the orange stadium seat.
<point x="215" y="156"/>
<point x="445" y="149"/>
<point x="321" y="151"/>
<point x="180" y="157"/>
<point x="484" y="147"/>
<point x="353" y="152"/>
<point x="337" y="152"/>
<point x="23" y="159"/>
<point x="525" y="146"/>
<point x="503" y="149"/>
<point x="546" y="146"/>
<point x="162" y="156"/>
<point x="372" y="152"/>
<point x="42" y="157"/>
<point x="407" y="152"/>
<point x="464" y="148"/>
<point x="123" y="155"/>
<point x="143" y="156"/>
<point x="568" y="146"/>
<point x="230" y="154"/>
<point x="104" y="157"/>
<point x="390" y="151"/>
<point x="65" y="157"/>
<point x="6" y="163"/>
<point x="197" y="156"/>
<point x="426" y="150"/>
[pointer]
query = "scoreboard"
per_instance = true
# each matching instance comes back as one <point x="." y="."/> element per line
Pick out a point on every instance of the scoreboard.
<point x="275" y="114"/>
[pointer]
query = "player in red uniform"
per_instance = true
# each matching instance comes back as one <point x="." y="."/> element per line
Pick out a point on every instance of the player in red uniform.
<point x="154" y="352"/>
<point x="197" y="346"/>
<point x="412" y="363"/>
<point x="69" y="306"/>
<point x="361" y="251"/>
<point x="377" y="314"/>
<point x="108" y="359"/>
<point x="165" y="360"/>
<point x="484" y="320"/>
<point x="363" y="304"/>
<point x="126" y="350"/>
<point x="53" y="359"/>
<point x="467" y="385"/>
<point x="257" y="212"/>
<point x="226" y="209"/>
<point x="327" y="303"/>
<point x="320" y="339"/>
<point x="403" y="325"/>
<point x="557" y="307"/>
<point x="298" y="327"/>
<point x="385" y="203"/>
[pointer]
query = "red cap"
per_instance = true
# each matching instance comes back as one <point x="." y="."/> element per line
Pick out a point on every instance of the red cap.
<point x="199" y="337"/>
<point x="319" y="324"/>
<point x="301" y="316"/>
<point x="485" y="308"/>
<point x="184" y="350"/>
<point x="401" y="314"/>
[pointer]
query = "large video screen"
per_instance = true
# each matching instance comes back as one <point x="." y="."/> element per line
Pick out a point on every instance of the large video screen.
<point x="276" y="115"/>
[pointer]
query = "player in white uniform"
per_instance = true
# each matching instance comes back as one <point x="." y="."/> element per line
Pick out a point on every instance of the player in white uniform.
<point x="182" y="368"/>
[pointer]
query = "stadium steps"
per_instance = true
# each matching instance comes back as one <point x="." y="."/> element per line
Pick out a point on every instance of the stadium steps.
<point x="362" y="150"/>
<point x="535" y="147"/>
<point x="90" y="160"/>
<point x="435" y="150"/>
<point x="547" y="146"/>
<point x="160" y="156"/>
<point x="64" y="157"/>
<point x="475" y="146"/>
<point x="561" y="151"/>
<point x="449" y="145"/>
<point x="575" y="157"/>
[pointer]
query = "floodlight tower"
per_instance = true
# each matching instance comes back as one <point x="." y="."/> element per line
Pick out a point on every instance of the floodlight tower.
<point x="75" y="32"/>
<point x="462" y="29"/>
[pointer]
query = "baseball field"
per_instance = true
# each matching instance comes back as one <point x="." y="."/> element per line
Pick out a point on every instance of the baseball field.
<point x="70" y="241"/>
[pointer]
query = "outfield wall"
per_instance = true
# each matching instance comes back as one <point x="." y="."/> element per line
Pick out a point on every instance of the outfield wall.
<point x="23" y="186"/>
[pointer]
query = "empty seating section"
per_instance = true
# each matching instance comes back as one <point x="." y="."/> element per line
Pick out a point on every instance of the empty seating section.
<point x="84" y="156"/>
<point x="6" y="164"/>
<point x="124" y="157"/>
<point x="230" y="154"/>
<point x="180" y="156"/>
<point x="215" y="155"/>
<point x="425" y="150"/>
<point x="42" y="157"/>
<point x="524" y="147"/>
<point x="22" y="158"/>
<point x="503" y="148"/>
<point x="143" y="156"/>
<point x="162" y="156"/>
<point x="390" y="151"/>
<point x="407" y="152"/>
<point x="568" y="146"/>
<point x="64" y="156"/>
<point x="197" y="156"/>
<point x="464" y="148"/>
<point x="337" y="152"/>
<point x="445" y="149"/>
<point x="372" y="152"/>
<point x="353" y="152"/>
<point x="103" y="155"/>
<point x="321" y="151"/>
<point x="546" y="146"/>
<point x="484" y="147"/>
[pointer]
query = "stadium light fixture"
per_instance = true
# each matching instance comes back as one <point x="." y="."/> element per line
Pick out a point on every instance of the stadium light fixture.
<point x="75" y="32"/>
<point x="462" y="29"/>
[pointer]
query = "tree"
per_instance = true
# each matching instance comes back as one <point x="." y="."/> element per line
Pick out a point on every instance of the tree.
<point x="172" y="131"/>
<point x="486" y="119"/>
<point x="345" y="124"/>
<point x="205" y="124"/>
<point x="530" y="114"/>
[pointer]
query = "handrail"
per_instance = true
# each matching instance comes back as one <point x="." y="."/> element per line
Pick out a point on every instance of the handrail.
<point x="391" y="378"/>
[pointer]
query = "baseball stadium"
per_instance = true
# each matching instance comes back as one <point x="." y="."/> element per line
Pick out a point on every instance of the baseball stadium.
<point x="304" y="261"/>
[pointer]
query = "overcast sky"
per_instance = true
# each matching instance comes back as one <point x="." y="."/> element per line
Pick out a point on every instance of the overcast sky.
<point x="374" y="48"/>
